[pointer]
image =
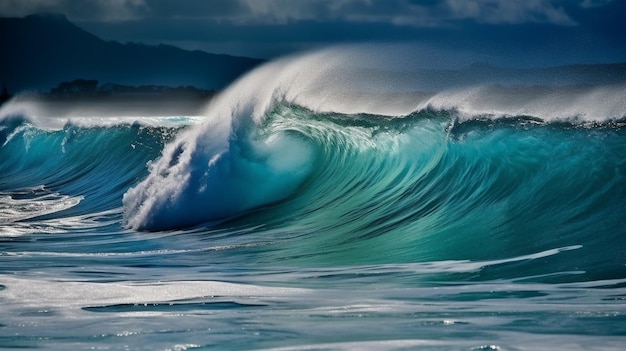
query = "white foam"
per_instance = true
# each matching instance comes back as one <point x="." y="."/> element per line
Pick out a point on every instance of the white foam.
<point x="24" y="293"/>
<point x="594" y="103"/>
<point x="33" y="205"/>
<point x="37" y="114"/>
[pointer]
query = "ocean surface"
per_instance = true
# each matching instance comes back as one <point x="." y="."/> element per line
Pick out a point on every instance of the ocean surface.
<point x="322" y="203"/>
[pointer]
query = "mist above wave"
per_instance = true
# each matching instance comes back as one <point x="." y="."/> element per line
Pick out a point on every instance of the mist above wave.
<point x="396" y="80"/>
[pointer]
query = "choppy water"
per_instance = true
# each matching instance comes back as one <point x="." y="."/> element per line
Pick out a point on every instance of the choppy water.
<point x="286" y="219"/>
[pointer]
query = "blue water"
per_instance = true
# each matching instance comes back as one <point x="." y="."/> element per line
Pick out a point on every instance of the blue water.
<point x="289" y="220"/>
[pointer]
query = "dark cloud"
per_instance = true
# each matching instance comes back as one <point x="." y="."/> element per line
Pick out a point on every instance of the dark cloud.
<point x="97" y="10"/>
<point x="399" y="12"/>
<point x="215" y="10"/>
<point x="588" y="30"/>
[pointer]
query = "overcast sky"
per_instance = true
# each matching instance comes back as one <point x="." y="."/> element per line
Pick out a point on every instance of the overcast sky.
<point x="532" y="32"/>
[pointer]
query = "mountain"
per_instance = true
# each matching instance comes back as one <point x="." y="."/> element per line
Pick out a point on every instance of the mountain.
<point x="39" y="51"/>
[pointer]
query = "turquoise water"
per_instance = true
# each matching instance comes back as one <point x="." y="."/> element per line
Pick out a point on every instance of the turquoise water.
<point x="291" y="227"/>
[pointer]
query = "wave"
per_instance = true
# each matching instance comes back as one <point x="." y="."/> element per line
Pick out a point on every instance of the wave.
<point x="254" y="149"/>
<point x="73" y="170"/>
<point x="19" y="110"/>
<point x="338" y="167"/>
<point x="332" y="179"/>
<point x="306" y="182"/>
<point x="334" y="188"/>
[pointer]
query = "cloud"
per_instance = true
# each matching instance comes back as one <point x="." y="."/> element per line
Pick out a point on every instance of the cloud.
<point x="509" y="12"/>
<point x="594" y="3"/>
<point x="419" y="13"/>
<point x="268" y="28"/>
<point x="215" y="10"/>
<point x="102" y="10"/>
<point x="416" y="13"/>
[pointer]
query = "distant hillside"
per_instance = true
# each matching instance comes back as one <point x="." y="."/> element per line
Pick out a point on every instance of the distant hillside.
<point x="39" y="51"/>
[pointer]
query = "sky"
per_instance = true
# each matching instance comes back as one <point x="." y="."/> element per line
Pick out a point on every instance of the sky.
<point x="524" y="32"/>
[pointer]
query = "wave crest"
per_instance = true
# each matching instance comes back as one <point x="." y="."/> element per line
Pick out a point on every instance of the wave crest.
<point x="245" y="155"/>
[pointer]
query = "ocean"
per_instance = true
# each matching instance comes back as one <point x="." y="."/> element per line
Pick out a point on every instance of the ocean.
<point x="323" y="202"/>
